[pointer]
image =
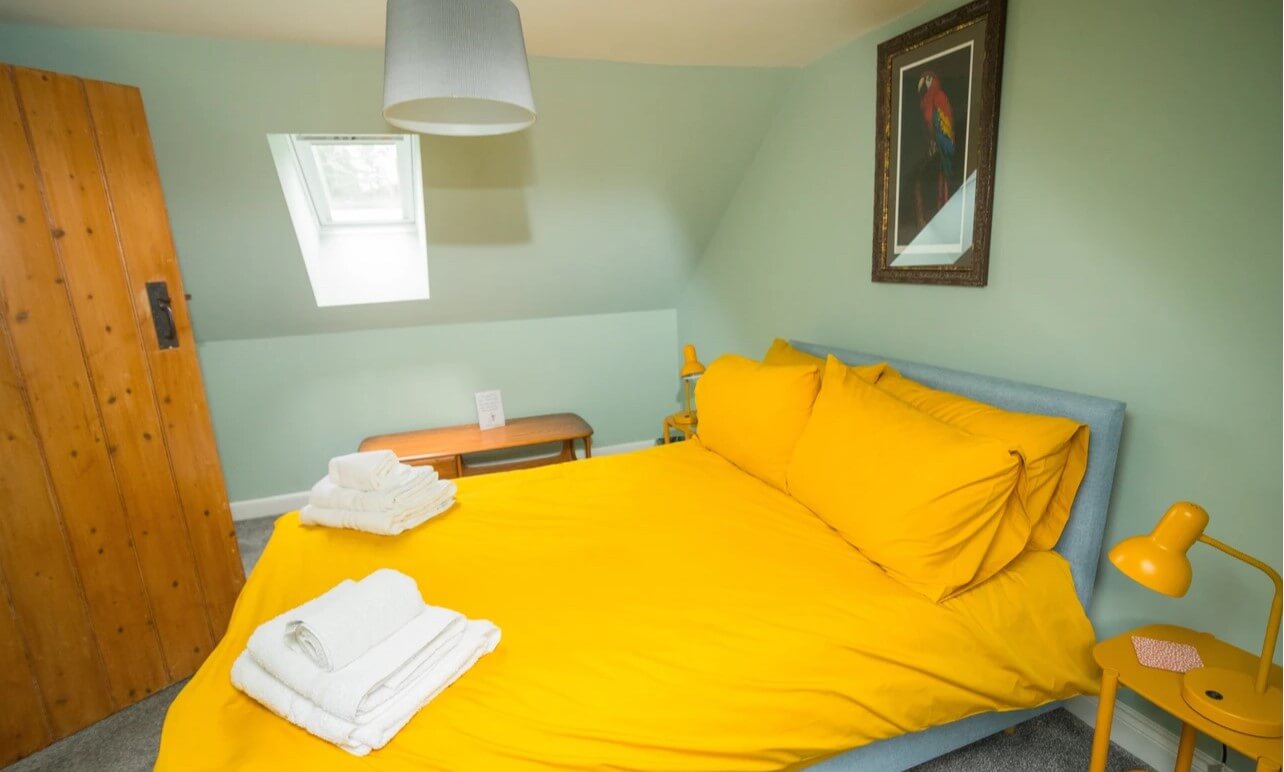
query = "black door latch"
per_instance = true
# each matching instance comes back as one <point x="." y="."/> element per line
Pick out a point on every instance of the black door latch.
<point x="162" y="314"/>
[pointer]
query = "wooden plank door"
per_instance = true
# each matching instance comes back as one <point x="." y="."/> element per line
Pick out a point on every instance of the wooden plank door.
<point x="125" y="149"/>
<point x="118" y="562"/>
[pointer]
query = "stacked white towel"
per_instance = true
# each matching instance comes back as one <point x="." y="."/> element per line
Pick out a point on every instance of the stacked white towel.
<point x="364" y="471"/>
<point x="340" y="626"/>
<point x="354" y="665"/>
<point x="373" y="492"/>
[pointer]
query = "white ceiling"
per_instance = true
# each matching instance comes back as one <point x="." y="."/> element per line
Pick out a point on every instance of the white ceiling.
<point x="726" y="32"/>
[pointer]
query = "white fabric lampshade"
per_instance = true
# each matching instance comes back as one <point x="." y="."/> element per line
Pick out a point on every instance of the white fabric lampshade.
<point x="456" y="67"/>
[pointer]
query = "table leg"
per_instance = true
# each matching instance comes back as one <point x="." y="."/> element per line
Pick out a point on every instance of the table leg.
<point x="1185" y="749"/>
<point x="1266" y="765"/>
<point x="1105" y="715"/>
<point x="664" y="431"/>
<point x="588" y="446"/>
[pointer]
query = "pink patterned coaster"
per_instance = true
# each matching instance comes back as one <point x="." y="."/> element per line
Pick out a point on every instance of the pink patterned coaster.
<point x="1166" y="655"/>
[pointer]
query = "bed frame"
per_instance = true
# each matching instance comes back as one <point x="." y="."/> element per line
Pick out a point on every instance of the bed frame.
<point x="1080" y="543"/>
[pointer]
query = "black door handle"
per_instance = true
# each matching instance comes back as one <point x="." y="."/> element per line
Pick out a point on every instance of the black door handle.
<point x="162" y="314"/>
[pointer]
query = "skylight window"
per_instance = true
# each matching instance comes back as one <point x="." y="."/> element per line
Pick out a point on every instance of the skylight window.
<point x="358" y="180"/>
<point x="356" y="204"/>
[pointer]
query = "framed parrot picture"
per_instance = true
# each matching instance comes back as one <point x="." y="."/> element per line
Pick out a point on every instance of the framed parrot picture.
<point x="937" y="130"/>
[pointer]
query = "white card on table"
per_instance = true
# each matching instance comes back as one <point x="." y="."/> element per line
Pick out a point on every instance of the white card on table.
<point x="490" y="409"/>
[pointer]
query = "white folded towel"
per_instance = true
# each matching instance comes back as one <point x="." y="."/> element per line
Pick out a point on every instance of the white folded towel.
<point x="350" y="618"/>
<point x="353" y="691"/>
<point x="381" y="725"/>
<point x="408" y="487"/>
<point x="366" y="471"/>
<point x="388" y="523"/>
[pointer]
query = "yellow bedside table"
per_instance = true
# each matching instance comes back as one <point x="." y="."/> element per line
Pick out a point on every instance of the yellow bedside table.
<point x="1119" y="665"/>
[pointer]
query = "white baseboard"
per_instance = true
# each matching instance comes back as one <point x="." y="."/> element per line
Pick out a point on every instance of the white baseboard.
<point x="269" y="506"/>
<point x="623" y="447"/>
<point x="1141" y="736"/>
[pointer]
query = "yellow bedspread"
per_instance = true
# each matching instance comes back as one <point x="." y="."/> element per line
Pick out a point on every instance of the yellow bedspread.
<point x="660" y="610"/>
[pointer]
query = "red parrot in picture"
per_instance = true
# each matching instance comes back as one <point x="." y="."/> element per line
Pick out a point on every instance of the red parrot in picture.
<point x="938" y="119"/>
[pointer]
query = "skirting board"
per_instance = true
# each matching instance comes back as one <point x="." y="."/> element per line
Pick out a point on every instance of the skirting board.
<point x="268" y="506"/>
<point x="1141" y="736"/>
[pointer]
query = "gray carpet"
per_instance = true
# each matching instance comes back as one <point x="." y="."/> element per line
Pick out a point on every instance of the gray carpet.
<point x="253" y="535"/>
<point x="1053" y="742"/>
<point x="127" y="741"/>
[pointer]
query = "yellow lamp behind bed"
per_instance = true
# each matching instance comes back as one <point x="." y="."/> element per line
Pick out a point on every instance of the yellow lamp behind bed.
<point x="685" y="421"/>
<point x="691" y="369"/>
<point x="1235" y="699"/>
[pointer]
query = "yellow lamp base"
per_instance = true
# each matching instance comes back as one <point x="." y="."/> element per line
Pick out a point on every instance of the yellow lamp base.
<point x="684" y="418"/>
<point x="1227" y="697"/>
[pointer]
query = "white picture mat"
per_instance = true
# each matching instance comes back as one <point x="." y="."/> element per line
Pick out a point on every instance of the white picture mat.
<point x="961" y="215"/>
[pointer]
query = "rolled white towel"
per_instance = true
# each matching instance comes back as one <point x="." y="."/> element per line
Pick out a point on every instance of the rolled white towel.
<point x="355" y="690"/>
<point x="408" y="487"/>
<point x="382" y="523"/>
<point x="367" y="471"/>
<point x="354" y="617"/>
<point x="381" y="725"/>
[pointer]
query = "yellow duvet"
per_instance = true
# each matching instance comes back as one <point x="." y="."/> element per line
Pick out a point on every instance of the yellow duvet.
<point x="661" y="610"/>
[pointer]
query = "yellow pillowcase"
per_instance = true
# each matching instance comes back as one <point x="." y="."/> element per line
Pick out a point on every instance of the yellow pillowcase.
<point x="919" y="497"/>
<point x="1054" y="454"/>
<point x="751" y="414"/>
<point x="781" y="353"/>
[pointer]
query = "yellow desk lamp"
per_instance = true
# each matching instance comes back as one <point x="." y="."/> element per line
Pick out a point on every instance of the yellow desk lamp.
<point x="684" y="421"/>
<point x="1235" y="699"/>
<point x="690" y="370"/>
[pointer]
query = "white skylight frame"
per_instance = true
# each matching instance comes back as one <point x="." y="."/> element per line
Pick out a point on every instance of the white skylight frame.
<point x="380" y="260"/>
<point x="318" y="188"/>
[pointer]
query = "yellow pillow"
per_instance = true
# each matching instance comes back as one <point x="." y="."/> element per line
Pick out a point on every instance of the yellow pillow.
<point x="781" y="353"/>
<point x="1054" y="454"/>
<point x="751" y="414"/>
<point x="917" y="496"/>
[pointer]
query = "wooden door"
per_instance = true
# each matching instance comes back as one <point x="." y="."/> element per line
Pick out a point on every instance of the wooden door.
<point x="118" y="561"/>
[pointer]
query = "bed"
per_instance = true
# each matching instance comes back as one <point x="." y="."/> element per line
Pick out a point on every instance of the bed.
<point x="662" y="610"/>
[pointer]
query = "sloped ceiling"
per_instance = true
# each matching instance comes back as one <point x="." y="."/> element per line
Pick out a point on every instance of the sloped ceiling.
<point x="725" y="32"/>
<point x="601" y="207"/>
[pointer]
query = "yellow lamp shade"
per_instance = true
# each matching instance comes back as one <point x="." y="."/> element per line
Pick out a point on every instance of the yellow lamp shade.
<point x="1158" y="560"/>
<point x="691" y="366"/>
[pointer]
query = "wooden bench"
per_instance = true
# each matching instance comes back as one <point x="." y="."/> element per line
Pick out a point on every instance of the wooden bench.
<point x="444" y="448"/>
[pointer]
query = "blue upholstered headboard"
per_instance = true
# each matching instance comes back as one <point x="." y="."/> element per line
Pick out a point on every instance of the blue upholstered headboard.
<point x="1081" y="541"/>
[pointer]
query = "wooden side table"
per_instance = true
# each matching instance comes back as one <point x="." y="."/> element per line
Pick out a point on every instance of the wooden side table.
<point x="1119" y="665"/>
<point x="444" y="448"/>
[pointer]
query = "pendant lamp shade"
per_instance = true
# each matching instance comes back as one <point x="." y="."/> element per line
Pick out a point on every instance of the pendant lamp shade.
<point x="456" y="67"/>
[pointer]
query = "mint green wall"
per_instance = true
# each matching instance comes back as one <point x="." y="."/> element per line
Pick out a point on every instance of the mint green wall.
<point x="283" y="406"/>
<point x="1136" y="255"/>
<point x="599" y="208"/>
<point x="1135" y="249"/>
